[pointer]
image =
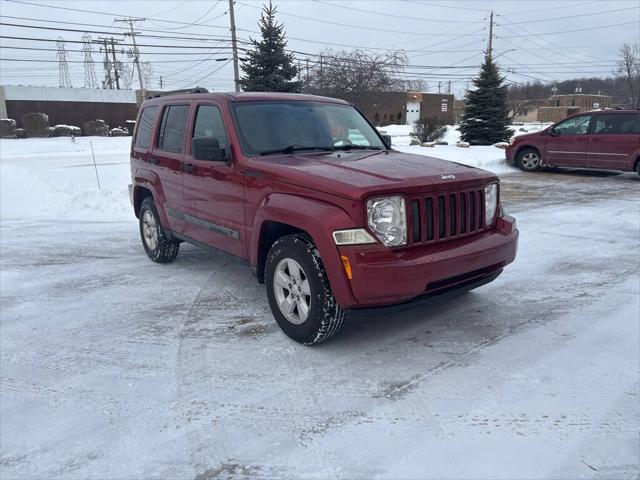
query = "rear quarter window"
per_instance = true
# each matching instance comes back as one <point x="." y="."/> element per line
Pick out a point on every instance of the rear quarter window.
<point x="145" y="127"/>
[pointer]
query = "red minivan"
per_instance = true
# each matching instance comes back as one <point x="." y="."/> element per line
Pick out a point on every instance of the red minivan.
<point x="603" y="139"/>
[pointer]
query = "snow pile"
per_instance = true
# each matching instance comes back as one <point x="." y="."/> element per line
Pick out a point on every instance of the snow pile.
<point x="486" y="157"/>
<point x="50" y="179"/>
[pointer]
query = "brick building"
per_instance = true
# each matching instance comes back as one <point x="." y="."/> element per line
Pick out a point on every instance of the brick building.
<point x="404" y="108"/>
<point x="68" y="106"/>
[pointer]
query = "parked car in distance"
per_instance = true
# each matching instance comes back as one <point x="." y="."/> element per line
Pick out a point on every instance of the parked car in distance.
<point x="306" y="190"/>
<point x="603" y="139"/>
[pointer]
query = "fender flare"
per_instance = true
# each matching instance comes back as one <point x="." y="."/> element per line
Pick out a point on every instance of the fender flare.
<point x="151" y="181"/>
<point x="319" y="219"/>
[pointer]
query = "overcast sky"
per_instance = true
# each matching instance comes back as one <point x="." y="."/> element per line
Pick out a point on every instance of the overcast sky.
<point x="534" y="40"/>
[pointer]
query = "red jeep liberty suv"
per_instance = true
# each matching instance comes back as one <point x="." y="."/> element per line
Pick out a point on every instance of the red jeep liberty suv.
<point x="327" y="214"/>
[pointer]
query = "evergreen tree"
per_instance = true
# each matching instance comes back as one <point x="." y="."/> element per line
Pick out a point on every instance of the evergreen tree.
<point x="268" y="68"/>
<point x="486" y="111"/>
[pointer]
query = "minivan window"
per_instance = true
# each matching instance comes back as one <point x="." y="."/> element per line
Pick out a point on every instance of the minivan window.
<point x="266" y="126"/>
<point x="574" y="126"/>
<point x="616" y="123"/>
<point x="209" y="124"/>
<point x="145" y="127"/>
<point x="172" y="128"/>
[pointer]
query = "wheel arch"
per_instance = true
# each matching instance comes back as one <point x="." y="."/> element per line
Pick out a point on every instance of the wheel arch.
<point x="284" y="214"/>
<point x="528" y="147"/>
<point x="139" y="194"/>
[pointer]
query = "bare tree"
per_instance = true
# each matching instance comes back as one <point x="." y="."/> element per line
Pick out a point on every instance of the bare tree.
<point x="629" y="68"/>
<point x="517" y="100"/>
<point x="351" y="74"/>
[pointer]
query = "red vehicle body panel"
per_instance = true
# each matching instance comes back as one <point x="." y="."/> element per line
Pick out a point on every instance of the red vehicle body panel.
<point x="229" y="205"/>
<point x="593" y="149"/>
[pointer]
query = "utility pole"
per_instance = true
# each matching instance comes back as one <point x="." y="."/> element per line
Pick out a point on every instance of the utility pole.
<point x="107" y="82"/>
<point x="490" y="49"/>
<point x="439" y="85"/>
<point x="160" y="82"/>
<point x="234" y="46"/>
<point x="449" y="87"/>
<point x="307" y="77"/>
<point x="136" y="52"/>
<point x="115" y="64"/>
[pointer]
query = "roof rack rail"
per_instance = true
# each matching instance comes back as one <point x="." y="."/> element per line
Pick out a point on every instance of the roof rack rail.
<point x="177" y="92"/>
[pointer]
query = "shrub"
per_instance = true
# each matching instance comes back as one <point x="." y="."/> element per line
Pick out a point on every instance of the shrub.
<point x="7" y="128"/>
<point x="428" y="130"/>
<point x="66" y="131"/>
<point x="36" y="124"/>
<point x="118" y="132"/>
<point x="20" y="133"/>
<point x="96" y="128"/>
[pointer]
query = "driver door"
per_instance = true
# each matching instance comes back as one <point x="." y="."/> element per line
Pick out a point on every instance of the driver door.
<point x="567" y="145"/>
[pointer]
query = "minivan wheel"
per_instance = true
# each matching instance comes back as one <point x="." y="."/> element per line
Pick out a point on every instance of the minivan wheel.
<point x="158" y="246"/>
<point x="529" y="160"/>
<point x="299" y="293"/>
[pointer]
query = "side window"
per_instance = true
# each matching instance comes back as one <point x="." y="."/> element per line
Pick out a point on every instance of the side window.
<point x="209" y="124"/>
<point x="619" y="123"/>
<point x="172" y="128"/>
<point x="145" y="127"/>
<point x="574" y="126"/>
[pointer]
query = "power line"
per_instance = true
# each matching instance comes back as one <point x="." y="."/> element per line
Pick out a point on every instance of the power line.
<point x="348" y="25"/>
<point x="600" y="27"/>
<point x="387" y="14"/>
<point x="539" y="20"/>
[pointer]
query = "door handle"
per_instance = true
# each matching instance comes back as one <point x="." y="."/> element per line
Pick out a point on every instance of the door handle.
<point x="188" y="167"/>
<point x="154" y="160"/>
<point x="596" y="139"/>
<point x="579" y="139"/>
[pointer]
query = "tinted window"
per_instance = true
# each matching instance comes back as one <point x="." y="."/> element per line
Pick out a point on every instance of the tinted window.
<point x="172" y="128"/>
<point x="574" y="126"/>
<point x="617" y="123"/>
<point x="209" y="124"/>
<point x="145" y="127"/>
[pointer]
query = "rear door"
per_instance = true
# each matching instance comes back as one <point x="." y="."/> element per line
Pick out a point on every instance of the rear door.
<point x="615" y="137"/>
<point x="213" y="190"/>
<point x="567" y="145"/>
<point x="167" y="157"/>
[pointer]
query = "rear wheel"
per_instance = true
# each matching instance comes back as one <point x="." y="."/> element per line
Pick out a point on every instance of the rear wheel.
<point x="529" y="160"/>
<point x="158" y="246"/>
<point x="299" y="293"/>
<point x="638" y="167"/>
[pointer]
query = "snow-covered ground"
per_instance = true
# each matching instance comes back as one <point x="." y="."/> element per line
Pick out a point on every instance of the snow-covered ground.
<point x="112" y="366"/>
<point x="488" y="157"/>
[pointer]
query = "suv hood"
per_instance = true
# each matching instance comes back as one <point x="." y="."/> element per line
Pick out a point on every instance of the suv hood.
<point x="356" y="174"/>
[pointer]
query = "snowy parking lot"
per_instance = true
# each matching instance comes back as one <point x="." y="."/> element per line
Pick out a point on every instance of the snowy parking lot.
<point x="112" y="366"/>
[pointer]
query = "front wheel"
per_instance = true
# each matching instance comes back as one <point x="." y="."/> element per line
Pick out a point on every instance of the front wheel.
<point x="299" y="293"/>
<point x="529" y="160"/>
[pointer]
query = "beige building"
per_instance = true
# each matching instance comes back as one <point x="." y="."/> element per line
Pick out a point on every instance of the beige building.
<point x="558" y="107"/>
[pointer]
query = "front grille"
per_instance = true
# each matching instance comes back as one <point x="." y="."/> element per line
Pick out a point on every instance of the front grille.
<point x="444" y="216"/>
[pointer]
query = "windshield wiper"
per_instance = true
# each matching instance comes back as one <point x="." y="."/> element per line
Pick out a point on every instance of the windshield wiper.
<point x="353" y="146"/>
<point x="295" y="148"/>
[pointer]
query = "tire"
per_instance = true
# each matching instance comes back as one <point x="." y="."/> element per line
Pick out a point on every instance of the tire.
<point x="638" y="166"/>
<point x="158" y="246"/>
<point x="299" y="293"/>
<point x="529" y="160"/>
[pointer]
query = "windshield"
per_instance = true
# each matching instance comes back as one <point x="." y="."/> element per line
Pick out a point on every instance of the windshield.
<point x="267" y="127"/>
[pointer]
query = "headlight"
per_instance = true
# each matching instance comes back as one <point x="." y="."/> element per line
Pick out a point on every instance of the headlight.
<point x="490" y="203"/>
<point x="354" y="236"/>
<point x="387" y="219"/>
<point x="513" y="140"/>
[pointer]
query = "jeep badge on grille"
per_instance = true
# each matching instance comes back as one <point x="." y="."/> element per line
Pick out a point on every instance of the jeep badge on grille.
<point x="447" y="177"/>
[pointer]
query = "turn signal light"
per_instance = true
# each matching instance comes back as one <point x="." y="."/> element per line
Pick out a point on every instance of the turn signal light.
<point x="347" y="266"/>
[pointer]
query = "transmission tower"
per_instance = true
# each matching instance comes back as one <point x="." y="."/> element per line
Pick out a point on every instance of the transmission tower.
<point x="147" y="73"/>
<point x="63" y="66"/>
<point x="90" y="79"/>
<point x="125" y="73"/>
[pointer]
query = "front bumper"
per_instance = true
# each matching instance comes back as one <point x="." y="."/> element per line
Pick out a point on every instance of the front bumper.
<point x="383" y="276"/>
<point x="510" y="153"/>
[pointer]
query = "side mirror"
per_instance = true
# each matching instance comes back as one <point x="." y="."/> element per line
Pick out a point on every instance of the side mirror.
<point x="207" y="148"/>
<point x="553" y="132"/>
<point x="387" y="140"/>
